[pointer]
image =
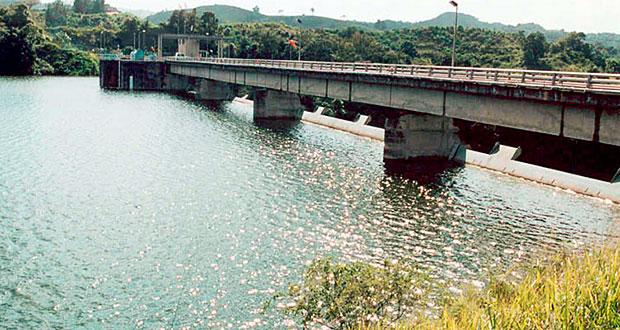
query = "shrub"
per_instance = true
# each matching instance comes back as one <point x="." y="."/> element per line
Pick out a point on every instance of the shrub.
<point x="341" y="296"/>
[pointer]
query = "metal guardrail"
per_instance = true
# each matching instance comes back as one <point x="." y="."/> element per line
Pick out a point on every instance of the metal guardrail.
<point x="112" y="57"/>
<point x="116" y="57"/>
<point x="594" y="82"/>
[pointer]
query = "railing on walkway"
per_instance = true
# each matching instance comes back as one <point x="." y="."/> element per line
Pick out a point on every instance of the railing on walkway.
<point x="116" y="57"/>
<point x="598" y="82"/>
<point x="111" y="57"/>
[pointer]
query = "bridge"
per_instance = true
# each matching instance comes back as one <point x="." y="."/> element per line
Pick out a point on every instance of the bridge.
<point x="420" y="102"/>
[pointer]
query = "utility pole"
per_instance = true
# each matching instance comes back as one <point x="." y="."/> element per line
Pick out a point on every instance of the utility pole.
<point x="456" y="26"/>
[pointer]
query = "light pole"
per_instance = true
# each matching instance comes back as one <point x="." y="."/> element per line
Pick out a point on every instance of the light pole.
<point x="456" y="25"/>
<point x="301" y="26"/>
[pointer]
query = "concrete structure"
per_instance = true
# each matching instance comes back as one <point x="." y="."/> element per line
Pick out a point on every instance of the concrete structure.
<point x="278" y="105"/>
<point x="359" y="127"/>
<point x="189" y="44"/>
<point x="425" y="99"/>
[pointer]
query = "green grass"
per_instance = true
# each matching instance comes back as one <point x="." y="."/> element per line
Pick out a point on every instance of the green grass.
<point x="568" y="292"/>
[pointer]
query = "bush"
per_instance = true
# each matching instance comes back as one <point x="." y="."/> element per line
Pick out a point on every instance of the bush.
<point x="68" y="61"/>
<point x="341" y="296"/>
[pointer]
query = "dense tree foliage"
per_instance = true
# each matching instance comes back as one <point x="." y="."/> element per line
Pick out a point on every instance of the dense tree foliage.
<point x="18" y="37"/>
<point x="431" y="45"/>
<point x="26" y="49"/>
<point x="56" y="13"/>
<point x="89" y="6"/>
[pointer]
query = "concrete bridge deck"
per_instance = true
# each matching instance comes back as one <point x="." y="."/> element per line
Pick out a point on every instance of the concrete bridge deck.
<point x="582" y="106"/>
<point x="599" y="83"/>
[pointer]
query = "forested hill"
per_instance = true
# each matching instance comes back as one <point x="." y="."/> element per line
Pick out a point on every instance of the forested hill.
<point x="233" y="14"/>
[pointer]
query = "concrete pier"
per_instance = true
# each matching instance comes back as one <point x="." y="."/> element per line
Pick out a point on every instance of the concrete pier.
<point x="210" y="90"/>
<point x="277" y="105"/>
<point x="176" y="83"/>
<point x="420" y="144"/>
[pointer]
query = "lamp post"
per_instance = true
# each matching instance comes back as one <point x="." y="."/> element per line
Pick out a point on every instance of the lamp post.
<point x="456" y="25"/>
<point x="301" y="26"/>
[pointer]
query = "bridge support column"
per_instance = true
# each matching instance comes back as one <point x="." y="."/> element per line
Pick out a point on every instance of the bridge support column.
<point x="421" y="145"/>
<point x="276" y="105"/>
<point x="210" y="90"/>
<point x="176" y="83"/>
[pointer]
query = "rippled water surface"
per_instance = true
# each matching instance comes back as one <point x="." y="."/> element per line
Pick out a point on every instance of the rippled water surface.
<point x="133" y="209"/>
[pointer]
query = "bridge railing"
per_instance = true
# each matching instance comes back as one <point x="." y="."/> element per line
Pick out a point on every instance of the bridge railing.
<point x="603" y="82"/>
<point x="112" y="57"/>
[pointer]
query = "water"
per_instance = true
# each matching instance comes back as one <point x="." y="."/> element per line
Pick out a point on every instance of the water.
<point x="123" y="210"/>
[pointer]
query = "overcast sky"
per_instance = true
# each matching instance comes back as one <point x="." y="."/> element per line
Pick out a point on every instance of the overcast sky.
<point x="571" y="15"/>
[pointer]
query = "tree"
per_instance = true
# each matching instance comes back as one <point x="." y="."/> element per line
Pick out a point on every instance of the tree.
<point x="352" y="296"/>
<point x="208" y="23"/>
<point x="380" y="25"/>
<point x="612" y="66"/>
<point x="192" y="22"/>
<point x="18" y="37"/>
<point x="80" y="6"/>
<point x="56" y="13"/>
<point x="312" y="10"/>
<point x="408" y="48"/>
<point x="534" y="47"/>
<point x="97" y="6"/>
<point x="256" y="10"/>
<point x="89" y="6"/>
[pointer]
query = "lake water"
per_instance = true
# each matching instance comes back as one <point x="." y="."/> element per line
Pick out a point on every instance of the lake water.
<point x="123" y="210"/>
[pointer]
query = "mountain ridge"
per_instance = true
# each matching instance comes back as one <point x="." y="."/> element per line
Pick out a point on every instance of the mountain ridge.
<point x="232" y="14"/>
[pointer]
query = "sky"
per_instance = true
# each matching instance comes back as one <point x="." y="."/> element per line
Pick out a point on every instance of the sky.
<point x="572" y="15"/>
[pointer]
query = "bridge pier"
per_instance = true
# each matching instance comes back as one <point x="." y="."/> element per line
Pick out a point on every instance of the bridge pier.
<point x="277" y="105"/>
<point x="211" y="90"/>
<point x="176" y="83"/>
<point x="421" y="145"/>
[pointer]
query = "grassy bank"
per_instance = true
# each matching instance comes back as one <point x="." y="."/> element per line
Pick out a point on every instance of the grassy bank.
<point x="568" y="292"/>
<point x="580" y="291"/>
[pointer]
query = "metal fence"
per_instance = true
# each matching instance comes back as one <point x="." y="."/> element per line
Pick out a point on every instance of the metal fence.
<point x="598" y="82"/>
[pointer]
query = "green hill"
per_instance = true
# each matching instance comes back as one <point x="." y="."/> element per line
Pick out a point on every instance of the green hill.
<point x="231" y="14"/>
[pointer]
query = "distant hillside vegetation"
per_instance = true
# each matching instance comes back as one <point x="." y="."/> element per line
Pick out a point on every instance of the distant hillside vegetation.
<point x="231" y="14"/>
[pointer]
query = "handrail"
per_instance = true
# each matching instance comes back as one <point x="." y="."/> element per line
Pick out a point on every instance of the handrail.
<point x="601" y="82"/>
<point x="113" y="57"/>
